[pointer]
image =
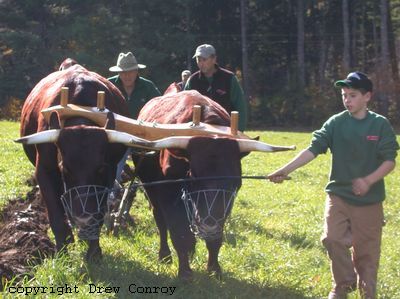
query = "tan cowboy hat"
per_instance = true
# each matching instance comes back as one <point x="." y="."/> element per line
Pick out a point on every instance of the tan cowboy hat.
<point x="126" y="62"/>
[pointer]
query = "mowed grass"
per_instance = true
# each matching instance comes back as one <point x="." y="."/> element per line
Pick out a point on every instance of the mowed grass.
<point x="272" y="243"/>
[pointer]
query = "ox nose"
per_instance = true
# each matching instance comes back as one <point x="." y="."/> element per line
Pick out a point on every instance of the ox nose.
<point x="211" y="226"/>
<point x="81" y="221"/>
<point x="207" y="211"/>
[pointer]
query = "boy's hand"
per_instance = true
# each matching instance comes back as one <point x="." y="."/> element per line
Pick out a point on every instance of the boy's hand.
<point x="360" y="186"/>
<point x="277" y="177"/>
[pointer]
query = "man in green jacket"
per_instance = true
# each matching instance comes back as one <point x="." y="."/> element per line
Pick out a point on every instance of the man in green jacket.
<point x="136" y="90"/>
<point x="218" y="83"/>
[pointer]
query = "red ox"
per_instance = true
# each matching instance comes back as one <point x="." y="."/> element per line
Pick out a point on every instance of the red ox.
<point x="172" y="88"/>
<point x="79" y="159"/>
<point x="194" y="157"/>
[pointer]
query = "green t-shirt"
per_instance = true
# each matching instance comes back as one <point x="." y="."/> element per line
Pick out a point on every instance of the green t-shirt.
<point x="144" y="91"/>
<point x="358" y="148"/>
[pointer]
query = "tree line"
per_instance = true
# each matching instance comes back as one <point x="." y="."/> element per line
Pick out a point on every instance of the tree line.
<point x="286" y="53"/>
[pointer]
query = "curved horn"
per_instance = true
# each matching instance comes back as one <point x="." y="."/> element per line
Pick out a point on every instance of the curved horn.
<point x="178" y="142"/>
<point x="48" y="136"/>
<point x="128" y="139"/>
<point x="254" y="145"/>
<point x="134" y="141"/>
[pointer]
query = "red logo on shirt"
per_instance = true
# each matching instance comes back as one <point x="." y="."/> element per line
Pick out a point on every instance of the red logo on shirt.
<point x="372" y="138"/>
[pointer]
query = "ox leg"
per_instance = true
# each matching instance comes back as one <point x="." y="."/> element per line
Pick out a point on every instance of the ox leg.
<point x="185" y="273"/>
<point x="182" y="238"/>
<point x="184" y="245"/>
<point x="55" y="211"/>
<point x="213" y="266"/>
<point x="164" y="254"/>
<point x="93" y="253"/>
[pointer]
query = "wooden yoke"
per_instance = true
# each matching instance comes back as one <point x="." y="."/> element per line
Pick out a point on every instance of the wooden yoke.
<point x="196" y="115"/>
<point x="64" y="96"/>
<point x="101" y="100"/>
<point x="234" y="122"/>
<point x="146" y="130"/>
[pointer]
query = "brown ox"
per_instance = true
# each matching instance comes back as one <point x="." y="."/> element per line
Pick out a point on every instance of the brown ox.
<point x="196" y="157"/>
<point x="80" y="157"/>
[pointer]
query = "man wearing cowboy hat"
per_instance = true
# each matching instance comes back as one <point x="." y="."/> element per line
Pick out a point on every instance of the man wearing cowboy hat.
<point x="136" y="90"/>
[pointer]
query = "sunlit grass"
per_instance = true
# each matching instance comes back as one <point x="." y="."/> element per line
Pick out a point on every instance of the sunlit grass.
<point x="272" y="245"/>
<point x="15" y="168"/>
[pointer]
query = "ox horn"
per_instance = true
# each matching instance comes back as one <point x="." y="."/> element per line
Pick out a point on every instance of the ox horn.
<point x="49" y="136"/>
<point x="134" y="141"/>
<point x="254" y="145"/>
<point x="245" y="145"/>
<point x="181" y="142"/>
<point x="178" y="142"/>
<point x="128" y="139"/>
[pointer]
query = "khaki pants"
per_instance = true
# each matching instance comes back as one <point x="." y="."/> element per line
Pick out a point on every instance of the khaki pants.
<point x="359" y="228"/>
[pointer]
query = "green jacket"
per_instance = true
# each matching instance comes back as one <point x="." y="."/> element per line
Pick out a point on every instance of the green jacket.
<point x="144" y="91"/>
<point x="215" y="86"/>
<point x="358" y="148"/>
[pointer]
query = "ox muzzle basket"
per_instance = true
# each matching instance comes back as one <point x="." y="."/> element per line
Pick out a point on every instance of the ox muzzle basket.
<point x="207" y="211"/>
<point x="86" y="207"/>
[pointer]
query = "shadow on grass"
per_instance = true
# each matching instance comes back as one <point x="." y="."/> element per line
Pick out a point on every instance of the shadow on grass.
<point x="134" y="281"/>
<point x="296" y="240"/>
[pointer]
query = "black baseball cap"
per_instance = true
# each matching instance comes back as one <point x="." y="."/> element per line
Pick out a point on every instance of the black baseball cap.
<point x="356" y="80"/>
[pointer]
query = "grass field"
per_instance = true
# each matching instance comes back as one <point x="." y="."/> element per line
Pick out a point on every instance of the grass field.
<point x="272" y="247"/>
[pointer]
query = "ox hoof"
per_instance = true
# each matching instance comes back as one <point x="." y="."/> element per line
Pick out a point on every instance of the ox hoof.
<point x="62" y="252"/>
<point x="216" y="275"/>
<point x="165" y="257"/>
<point x="128" y="220"/>
<point x="94" y="256"/>
<point x="61" y="247"/>
<point x="115" y="230"/>
<point x="186" y="276"/>
<point x="215" y="272"/>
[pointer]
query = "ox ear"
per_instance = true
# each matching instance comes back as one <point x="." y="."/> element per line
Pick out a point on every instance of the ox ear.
<point x="110" y="123"/>
<point x="54" y="121"/>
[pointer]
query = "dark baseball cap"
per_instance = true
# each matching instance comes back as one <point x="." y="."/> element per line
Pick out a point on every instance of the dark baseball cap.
<point x="356" y="80"/>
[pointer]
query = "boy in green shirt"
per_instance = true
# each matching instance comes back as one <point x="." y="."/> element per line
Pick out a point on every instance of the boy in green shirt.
<point x="364" y="148"/>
